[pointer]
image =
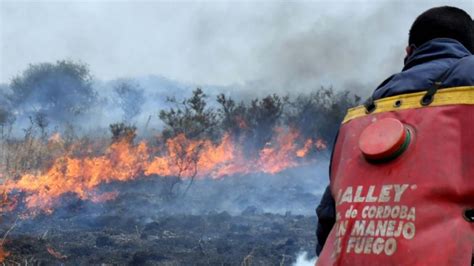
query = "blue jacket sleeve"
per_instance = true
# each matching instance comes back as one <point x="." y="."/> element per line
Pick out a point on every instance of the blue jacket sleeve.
<point x="326" y="212"/>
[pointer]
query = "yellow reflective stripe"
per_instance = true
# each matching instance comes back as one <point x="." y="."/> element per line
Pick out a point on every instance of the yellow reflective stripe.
<point x="449" y="96"/>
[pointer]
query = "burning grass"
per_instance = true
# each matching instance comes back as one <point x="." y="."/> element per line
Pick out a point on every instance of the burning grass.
<point x="81" y="171"/>
<point x="181" y="157"/>
<point x="218" y="222"/>
<point x="55" y="175"/>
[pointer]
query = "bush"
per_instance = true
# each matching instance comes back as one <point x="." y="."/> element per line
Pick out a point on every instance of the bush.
<point x="123" y="132"/>
<point x="61" y="91"/>
<point x="318" y="115"/>
<point x="255" y="123"/>
<point x="190" y="117"/>
<point x="130" y="99"/>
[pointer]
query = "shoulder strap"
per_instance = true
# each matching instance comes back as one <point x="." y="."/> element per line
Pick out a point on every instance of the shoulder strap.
<point x="369" y="105"/>
<point x="437" y="84"/>
<point x="427" y="99"/>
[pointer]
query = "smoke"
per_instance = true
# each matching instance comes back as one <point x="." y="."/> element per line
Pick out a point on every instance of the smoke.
<point x="141" y="53"/>
<point x="348" y="50"/>
<point x="245" y="49"/>
<point x="294" y="191"/>
<point x="332" y="52"/>
<point x="258" y="47"/>
<point x="130" y="99"/>
<point x="303" y="260"/>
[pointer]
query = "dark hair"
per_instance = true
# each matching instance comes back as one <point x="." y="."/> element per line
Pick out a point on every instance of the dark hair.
<point x="443" y="22"/>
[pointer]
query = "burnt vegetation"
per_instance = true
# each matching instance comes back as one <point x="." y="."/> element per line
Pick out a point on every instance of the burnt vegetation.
<point x="47" y="112"/>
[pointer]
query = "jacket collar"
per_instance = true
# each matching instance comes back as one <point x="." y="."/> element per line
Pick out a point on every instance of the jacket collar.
<point x="436" y="49"/>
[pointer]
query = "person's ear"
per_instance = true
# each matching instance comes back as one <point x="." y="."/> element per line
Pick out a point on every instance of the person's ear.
<point x="409" y="50"/>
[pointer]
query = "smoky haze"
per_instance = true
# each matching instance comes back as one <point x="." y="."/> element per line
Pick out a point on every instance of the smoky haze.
<point x="97" y="72"/>
<point x="269" y="46"/>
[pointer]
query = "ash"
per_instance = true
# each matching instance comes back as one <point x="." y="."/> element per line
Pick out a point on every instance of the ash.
<point x="257" y="219"/>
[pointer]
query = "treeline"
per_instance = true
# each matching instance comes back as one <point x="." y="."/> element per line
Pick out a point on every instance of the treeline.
<point x="61" y="97"/>
<point x="63" y="94"/>
<point x="314" y="116"/>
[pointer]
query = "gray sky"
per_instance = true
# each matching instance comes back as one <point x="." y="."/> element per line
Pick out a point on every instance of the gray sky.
<point x="286" y="45"/>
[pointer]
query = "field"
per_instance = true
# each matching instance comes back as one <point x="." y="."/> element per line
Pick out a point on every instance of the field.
<point x="234" y="221"/>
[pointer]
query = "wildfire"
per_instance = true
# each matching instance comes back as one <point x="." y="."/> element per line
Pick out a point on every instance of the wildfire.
<point x="180" y="157"/>
<point x="3" y="254"/>
<point x="309" y="145"/>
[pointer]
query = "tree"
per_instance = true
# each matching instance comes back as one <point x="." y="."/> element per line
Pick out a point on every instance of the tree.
<point x="190" y="117"/>
<point x="62" y="91"/>
<point x="319" y="114"/>
<point x="232" y="116"/>
<point x="130" y="98"/>
<point x="263" y="116"/>
<point x="41" y="121"/>
<point x="255" y="122"/>
<point x="187" y="126"/>
<point x="6" y="118"/>
<point x="123" y="132"/>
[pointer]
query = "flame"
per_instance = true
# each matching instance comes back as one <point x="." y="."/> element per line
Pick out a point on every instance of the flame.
<point x="3" y="254"/>
<point x="104" y="197"/>
<point x="320" y="145"/>
<point x="304" y="151"/>
<point x="7" y="203"/>
<point x="241" y="122"/>
<point x="80" y="176"/>
<point x="180" y="157"/>
<point x="56" y="254"/>
<point x="278" y="155"/>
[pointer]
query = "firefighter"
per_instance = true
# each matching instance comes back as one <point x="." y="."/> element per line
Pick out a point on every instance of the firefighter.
<point x="380" y="207"/>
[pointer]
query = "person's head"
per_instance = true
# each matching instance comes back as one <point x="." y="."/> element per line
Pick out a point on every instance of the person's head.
<point x="442" y="22"/>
